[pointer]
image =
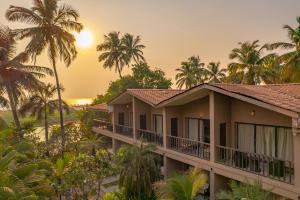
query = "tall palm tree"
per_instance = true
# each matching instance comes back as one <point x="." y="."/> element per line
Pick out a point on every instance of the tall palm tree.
<point x="214" y="73"/>
<point x="182" y="186"/>
<point x="247" y="191"/>
<point x="42" y="103"/>
<point x="140" y="169"/>
<point x="273" y="71"/>
<point x="15" y="76"/>
<point x="291" y="59"/>
<point x="133" y="48"/>
<point x="113" y="52"/>
<point x="51" y="27"/>
<point x="190" y="73"/>
<point x="249" y="57"/>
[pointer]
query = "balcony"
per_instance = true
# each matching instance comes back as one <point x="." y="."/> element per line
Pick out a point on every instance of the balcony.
<point x="258" y="164"/>
<point x="149" y="136"/>
<point x="189" y="147"/>
<point x="103" y="124"/>
<point x="124" y="130"/>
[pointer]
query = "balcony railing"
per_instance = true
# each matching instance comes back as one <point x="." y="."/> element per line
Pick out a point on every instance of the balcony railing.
<point x="259" y="164"/>
<point x="188" y="146"/>
<point x="149" y="136"/>
<point x="103" y="124"/>
<point x="124" y="130"/>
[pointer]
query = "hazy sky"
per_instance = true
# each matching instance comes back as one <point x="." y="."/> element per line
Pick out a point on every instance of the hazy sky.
<point x="172" y="31"/>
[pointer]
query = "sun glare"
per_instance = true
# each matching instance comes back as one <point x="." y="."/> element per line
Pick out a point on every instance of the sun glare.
<point x="84" y="39"/>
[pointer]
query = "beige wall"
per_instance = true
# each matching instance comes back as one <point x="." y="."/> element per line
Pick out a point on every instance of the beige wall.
<point x="126" y="108"/>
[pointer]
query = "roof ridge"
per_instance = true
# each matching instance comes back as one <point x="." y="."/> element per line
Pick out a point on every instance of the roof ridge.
<point x="155" y="89"/>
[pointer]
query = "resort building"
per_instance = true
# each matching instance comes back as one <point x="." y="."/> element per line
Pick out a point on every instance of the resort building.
<point x="232" y="132"/>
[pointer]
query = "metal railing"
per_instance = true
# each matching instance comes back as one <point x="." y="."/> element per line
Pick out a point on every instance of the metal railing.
<point x="259" y="164"/>
<point x="189" y="147"/>
<point x="124" y="130"/>
<point x="149" y="136"/>
<point x="103" y="124"/>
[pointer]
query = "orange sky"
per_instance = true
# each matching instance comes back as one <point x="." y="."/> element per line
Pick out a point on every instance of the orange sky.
<point x="172" y="30"/>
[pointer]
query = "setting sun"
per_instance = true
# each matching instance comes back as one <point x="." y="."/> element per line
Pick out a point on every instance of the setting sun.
<point x="84" y="39"/>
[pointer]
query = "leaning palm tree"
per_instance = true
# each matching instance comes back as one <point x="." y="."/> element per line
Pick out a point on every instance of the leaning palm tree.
<point x="51" y="27"/>
<point x="214" y="73"/>
<point x="140" y="169"/>
<point x="113" y="52"/>
<point x="182" y="186"/>
<point x="249" y="191"/>
<point x="133" y="48"/>
<point x="190" y="73"/>
<point x="41" y="104"/>
<point x="249" y="57"/>
<point x="15" y="76"/>
<point x="291" y="59"/>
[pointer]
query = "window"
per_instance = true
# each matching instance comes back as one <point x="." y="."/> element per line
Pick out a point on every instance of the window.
<point x="198" y="129"/>
<point x="158" y="124"/>
<point x="273" y="141"/>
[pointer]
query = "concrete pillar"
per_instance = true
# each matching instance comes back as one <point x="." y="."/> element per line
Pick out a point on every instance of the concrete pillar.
<point x="165" y="127"/>
<point x="212" y="185"/>
<point x="133" y="119"/>
<point x="212" y="125"/>
<point x="114" y="145"/>
<point x="296" y="140"/>
<point x="113" y="119"/>
<point x="217" y="183"/>
<point x="165" y="173"/>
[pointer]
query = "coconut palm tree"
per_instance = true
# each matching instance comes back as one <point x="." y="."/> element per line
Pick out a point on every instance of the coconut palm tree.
<point x="140" y="169"/>
<point x="15" y="76"/>
<point x="291" y="59"/>
<point x="182" y="186"/>
<point x="247" y="191"/>
<point x="190" y="73"/>
<point x="249" y="57"/>
<point x="273" y="71"/>
<point x="133" y="48"/>
<point x="51" y="27"/>
<point x="41" y="103"/>
<point x="113" y="52"/>
<point x="214" y="73"/>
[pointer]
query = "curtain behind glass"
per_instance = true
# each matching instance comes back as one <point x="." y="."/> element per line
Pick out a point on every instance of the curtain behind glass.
<point x="158" y="124"/>
<point x="285" y="144"/>
<point x="265" y="140"/>
<point x="193" y="129"/>
<point x="246" y="137"/>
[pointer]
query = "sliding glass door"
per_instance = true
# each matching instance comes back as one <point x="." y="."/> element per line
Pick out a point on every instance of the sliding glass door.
<point x="198" y="129"/>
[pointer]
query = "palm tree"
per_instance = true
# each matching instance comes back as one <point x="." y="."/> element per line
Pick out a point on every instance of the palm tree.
<point x="291" y="59"/>
<point x="214" y="73"/>
<point x="140" y="169"/>
<point x="15" y="76"/>
<point x="182" y="186"/>
<point x="245" y="191"/>
<point x="113" y="52"/>
<point x="41" y="103"/>
<point x="273" y="71"/>
<point x="190" y="73"/>
<point x="249" y="57"/>
<point x="51" y="29"/>
<point x="133" y="48"/>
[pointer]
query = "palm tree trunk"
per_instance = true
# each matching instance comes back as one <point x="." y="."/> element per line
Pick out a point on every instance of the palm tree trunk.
<point x="119" y="70"/>
<point x="62" y="128"/>
<point x="13" y="108"/>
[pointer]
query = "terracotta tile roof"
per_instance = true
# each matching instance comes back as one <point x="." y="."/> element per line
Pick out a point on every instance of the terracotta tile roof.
<point x="154" y="96"/>
<point x="285" y="96"/>
<point x="101" y="107"/>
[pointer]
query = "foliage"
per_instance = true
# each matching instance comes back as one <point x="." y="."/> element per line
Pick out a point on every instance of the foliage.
<point x="139" y="170"/>
<point x="214" y="73"/>
<point x="182" y="186"/>
<point x="245" y="191"/>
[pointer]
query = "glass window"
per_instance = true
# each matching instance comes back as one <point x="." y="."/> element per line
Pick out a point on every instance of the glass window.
<point x="158" y="124"/>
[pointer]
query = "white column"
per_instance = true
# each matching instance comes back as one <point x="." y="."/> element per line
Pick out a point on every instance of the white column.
<point x="212" y="185"/>
<point x="296" y="140"/>
<point x="212" y="125"/>
<point x="165" y="128"/>
<point x="133" y="119"/>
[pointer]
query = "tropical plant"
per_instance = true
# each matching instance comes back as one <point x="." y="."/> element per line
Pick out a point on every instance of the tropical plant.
<point x="249" y="58"/>
<point x="117" y="51"/>
<point x="139" y="170"/>
<point x="51" y="29"/>
<point x="273" y="71"/>
<point x="214" y="73"/>
<point x="41" y="104"/>
<point x="133" y="48"/>
<point x="15" y="76"/>
<point x="182" y="186"/>
<point x="291" y="59"/>
<point x="246" y="190"/>
<point x="190" y="73"/>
